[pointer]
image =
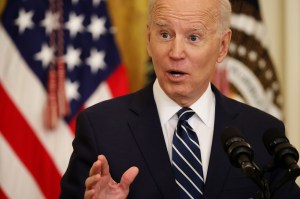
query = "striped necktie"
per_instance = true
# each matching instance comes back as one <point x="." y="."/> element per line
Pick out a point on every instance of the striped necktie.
<point x="186" y="158"/>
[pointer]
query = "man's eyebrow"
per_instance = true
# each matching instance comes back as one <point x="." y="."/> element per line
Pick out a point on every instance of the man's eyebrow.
<point x="160" y="23"/>
<point x="198" y="28"/>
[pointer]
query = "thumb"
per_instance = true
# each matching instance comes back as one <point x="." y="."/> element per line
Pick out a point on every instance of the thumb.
<point x="128" y="177"/>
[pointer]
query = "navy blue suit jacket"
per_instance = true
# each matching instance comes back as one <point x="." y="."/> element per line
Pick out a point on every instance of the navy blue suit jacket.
<point x="128" y="132"/>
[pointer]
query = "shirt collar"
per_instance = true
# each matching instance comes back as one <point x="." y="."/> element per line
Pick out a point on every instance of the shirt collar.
<point x="167" y="108"/>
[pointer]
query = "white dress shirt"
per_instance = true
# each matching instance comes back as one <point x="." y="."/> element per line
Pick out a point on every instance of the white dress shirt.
<point x="202" y="121"/>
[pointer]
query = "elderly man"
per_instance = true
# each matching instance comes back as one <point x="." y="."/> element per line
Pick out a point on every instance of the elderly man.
<point x="164" y="141"/>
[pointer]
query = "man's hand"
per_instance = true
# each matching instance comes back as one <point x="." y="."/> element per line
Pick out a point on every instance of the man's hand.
<point x="100" y="185"/>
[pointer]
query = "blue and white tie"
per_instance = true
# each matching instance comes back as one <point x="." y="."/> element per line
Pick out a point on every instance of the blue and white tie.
<point x="186" y="158"/>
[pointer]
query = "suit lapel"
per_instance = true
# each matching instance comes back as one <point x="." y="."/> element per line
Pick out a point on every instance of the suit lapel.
<point x="146" y="129"/>
<point x="219" y="164"/>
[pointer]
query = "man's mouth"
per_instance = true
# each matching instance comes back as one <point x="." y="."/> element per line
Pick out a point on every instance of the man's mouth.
<point x="176" y="73"/>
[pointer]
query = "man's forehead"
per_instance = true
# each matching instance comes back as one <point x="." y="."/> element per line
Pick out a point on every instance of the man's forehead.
<point x="188" y="5"/>
<point x="185" y="9"/>
<point x="201" y="16"/>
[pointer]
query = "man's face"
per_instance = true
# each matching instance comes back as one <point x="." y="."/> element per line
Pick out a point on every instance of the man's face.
<point x="185" y="45"/>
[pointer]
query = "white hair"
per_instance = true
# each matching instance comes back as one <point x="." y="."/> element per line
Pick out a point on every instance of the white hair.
<point x="224" y="16"/>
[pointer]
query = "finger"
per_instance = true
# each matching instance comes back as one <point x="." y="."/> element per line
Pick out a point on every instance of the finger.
<point x="91" y="181"/>
<point x="96" y="168"/>
<point x="104" y="165"/>
<point x="89" y="194"/>
<point x="128" y="177"/>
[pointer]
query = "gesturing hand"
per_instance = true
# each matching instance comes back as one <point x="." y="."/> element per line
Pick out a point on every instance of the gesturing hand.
<point x="100" y="185"/>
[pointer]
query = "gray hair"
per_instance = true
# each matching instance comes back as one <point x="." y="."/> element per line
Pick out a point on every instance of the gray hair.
<point x="225" y="14"/>
<point x="224" y="17"/>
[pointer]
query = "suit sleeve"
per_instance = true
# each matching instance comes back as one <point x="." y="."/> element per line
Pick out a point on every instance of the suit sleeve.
<point x="83" y="156"/>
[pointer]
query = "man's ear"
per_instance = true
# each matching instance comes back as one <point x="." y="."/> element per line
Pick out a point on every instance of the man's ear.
<point x="225" y="41"/>
<point x="148" y="40"/>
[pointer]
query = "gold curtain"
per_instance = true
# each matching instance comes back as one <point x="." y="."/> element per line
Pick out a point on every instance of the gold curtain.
<point x="130" y="18"/>
<point x="2" y="4"/>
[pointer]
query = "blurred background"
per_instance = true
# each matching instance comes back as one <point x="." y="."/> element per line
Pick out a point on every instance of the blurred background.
<point x="58" y="57"/>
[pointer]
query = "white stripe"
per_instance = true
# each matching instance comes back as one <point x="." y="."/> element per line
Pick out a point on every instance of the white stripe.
<point x="182" y="126"/>
<point x="188" y="148"/>
<point x="187" y="177"/>
<point x="187" y="111"/>
<point x="250" y="26"/>
<point x="101" y="93"/>
<point x="178" y="152"/>
<point x="12" y="172"/>
<point x="180" y="185"/>
<point x="29" y="96"/>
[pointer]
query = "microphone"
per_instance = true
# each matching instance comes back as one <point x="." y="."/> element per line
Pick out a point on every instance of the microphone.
<point x="238" y="150"/>
<point x="285" y="155"/>
<point x="241" y="156"/>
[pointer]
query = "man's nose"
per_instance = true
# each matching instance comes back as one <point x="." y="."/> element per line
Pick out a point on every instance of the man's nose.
<point x="177" y="48"/>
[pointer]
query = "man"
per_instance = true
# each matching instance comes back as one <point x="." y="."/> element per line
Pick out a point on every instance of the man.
<point x="123" y="147"/>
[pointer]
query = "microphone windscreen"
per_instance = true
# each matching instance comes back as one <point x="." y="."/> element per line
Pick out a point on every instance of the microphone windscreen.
<point x="237" y="149"/>
<point x="230" y="132"/>
<point x="270" y="138"/>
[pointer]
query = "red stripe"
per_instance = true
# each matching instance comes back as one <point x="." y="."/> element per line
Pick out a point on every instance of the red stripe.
<point x="118" y="81"/>
<point x="2" y="194"/>
<point x="72" y="124"/>
<point x="24" y="142"/>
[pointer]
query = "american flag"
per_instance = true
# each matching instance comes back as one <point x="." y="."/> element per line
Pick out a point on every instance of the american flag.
<point x="74" y="39"/>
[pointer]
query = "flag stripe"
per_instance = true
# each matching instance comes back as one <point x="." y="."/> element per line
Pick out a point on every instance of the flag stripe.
<point x="18" y="80"/>
<point x="119" y="75"/>
<point x="101" y="93"/>
<point x="114" y="86"/>
<point x="2" y="195"/>
<point x="25" y="143"/>
<point x="12" y="166"/>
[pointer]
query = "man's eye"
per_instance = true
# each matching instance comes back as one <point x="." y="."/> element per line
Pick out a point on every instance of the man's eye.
<point x="194" y="37"/>
<point x="165" y="35"/>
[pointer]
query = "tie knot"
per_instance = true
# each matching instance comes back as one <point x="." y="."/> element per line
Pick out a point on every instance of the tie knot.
<point x="184" y="114"/>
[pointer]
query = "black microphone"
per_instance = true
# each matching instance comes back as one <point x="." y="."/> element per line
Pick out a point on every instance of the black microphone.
<point x="241" y="156"/>
<point x="285" y="155"/>
<point x="238" y="150"/>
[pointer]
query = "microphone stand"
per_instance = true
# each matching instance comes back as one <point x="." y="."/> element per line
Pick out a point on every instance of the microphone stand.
<point x="266" y="192"/>
<point x="292" y="174"/>
<point x="251" y="170"/>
